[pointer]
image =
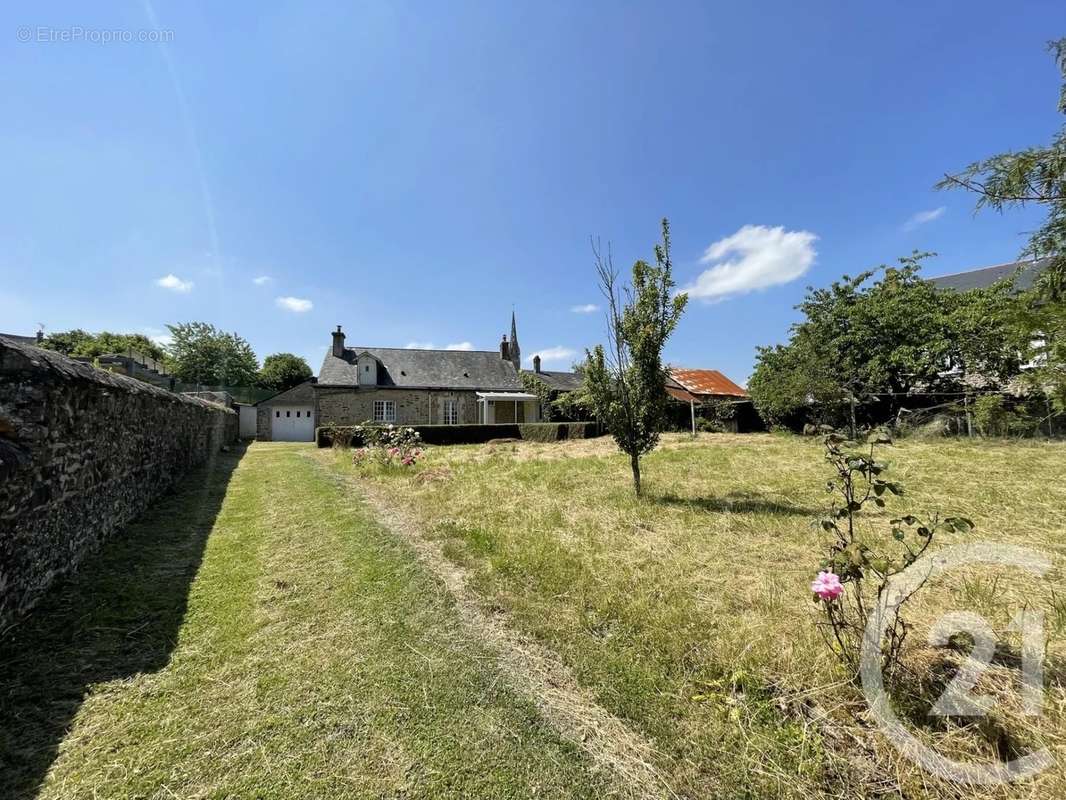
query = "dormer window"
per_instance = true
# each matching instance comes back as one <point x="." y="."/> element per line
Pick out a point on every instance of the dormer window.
<point x="367" y="367"/>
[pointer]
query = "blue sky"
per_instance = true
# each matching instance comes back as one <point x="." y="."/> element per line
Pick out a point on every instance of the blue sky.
<point x="414" y="170"/>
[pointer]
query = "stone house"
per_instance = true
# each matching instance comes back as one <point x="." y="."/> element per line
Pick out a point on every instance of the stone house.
<point x="403" y="386"/>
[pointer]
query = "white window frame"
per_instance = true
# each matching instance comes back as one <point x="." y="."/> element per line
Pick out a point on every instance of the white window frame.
<point x="384" y="411"/>
<point x="449" y="413"/>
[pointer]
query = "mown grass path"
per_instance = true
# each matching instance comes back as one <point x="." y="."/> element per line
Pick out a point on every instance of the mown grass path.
<point x="258" y="635"/>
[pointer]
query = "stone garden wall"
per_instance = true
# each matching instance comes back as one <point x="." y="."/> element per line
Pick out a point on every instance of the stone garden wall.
<point x="83" y="452"/>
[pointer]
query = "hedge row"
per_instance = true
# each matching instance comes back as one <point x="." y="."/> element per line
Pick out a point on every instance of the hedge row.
<point x="471" y="434"/>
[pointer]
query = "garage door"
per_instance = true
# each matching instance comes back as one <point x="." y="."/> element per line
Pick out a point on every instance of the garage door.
<point x="293" y="424"/>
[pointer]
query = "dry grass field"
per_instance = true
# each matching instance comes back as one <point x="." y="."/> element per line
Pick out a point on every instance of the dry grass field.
<point x="509" y="621"/>
<point x="687" y="614"/>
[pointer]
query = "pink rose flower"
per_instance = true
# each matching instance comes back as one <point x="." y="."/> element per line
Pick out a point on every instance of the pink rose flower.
<point x="827" y="586"/>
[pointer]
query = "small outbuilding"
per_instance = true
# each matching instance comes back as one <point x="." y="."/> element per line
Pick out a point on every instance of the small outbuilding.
<point x="702" y="391"/>
<point x="288" y="416"/>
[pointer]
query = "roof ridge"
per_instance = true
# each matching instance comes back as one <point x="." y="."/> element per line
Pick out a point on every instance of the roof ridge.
<point x="1021" y="263"/>
<point x="423" y="349"/>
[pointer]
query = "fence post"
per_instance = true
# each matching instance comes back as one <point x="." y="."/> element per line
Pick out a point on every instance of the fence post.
<point x="969" y="417"/>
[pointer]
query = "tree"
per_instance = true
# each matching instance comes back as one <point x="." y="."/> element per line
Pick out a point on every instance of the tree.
<point x="626" y="383"/>
<point x="862" y="340"/>
<point x="576" y="404"/>
<point x="1036" y="175"/>
<point x="556" y="405"/>
<point x="200" y="353"/>
<point x="1042" y="327"/>
<point x="66" y="342"/>
<point x="791" y="379"/>
<point x="282" y="371"/>
<point x="534" y="385"/>
<point x="82" y="344"/>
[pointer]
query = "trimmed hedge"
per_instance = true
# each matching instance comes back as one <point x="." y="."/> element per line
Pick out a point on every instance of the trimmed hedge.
<point x="472" y="434"/>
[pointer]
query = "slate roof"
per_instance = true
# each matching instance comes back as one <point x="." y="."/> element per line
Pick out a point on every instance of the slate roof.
<point x="558" y="381"/>
<point x="424" y="369"/>
<point x="706" y="381"/>
<point x="300" y="393"/>
<point x="1026" y="271"/>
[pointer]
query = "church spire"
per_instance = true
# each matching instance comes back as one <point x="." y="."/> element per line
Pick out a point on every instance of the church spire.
<point x="515" y="352"/>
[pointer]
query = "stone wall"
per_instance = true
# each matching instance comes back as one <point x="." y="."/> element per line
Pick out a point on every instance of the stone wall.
<point x="83" y="452"/>
<point x="349" y="406"/>
<point x="263" y="425"/>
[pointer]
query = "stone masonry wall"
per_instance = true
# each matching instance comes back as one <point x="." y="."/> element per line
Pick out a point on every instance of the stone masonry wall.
<point x="263" y="424"/>
<point x="83" y="452"/>
<point x="344" y="406"/>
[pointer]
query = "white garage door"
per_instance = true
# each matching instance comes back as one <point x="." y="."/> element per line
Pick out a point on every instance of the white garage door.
<point x="293" y="424"/>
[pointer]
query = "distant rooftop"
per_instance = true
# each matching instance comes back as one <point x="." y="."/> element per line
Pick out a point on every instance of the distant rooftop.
<point x="706" y="381"/>
<point x="559" y="381"/>
<point x="1025" y="272"/>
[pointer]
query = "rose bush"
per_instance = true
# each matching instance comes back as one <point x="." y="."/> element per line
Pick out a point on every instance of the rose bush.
<point x="388" y="446"/>
<point x="860" y="564"/>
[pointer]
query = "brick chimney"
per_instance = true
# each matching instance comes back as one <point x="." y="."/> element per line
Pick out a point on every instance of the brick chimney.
<point x="536" y="363"/>
<point x="338" y="343"/>
<point x="505" y="349"/>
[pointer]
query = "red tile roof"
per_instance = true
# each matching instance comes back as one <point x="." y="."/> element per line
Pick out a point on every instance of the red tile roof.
<point x="707" y="381"/>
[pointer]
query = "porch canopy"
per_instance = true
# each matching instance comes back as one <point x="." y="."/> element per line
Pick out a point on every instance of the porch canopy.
<point x="483" y="399"/>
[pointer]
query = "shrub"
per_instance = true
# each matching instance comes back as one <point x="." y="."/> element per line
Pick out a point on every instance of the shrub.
<point x="537" y="432"/>
<point x="709" y="425"/>
<point x="856" y="563"/>
<point x="990" y="415"/>
<point x="354" y="435"/>
<point x="388" y="446"/>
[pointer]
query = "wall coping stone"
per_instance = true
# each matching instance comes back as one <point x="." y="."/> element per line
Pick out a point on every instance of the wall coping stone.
<point x="20" y="358"/>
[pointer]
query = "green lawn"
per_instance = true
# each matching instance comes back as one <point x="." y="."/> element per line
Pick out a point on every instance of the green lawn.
<point x="688" y="613"/>
<point x="257" y="635"/>
<point x="290" y="625"/>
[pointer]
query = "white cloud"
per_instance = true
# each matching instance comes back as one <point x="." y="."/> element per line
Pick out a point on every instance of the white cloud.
<point x="262" y="280"/>
<point x="433" y="346"/>
<point x="588" y="308"/>
<point x="174" y="284"/>
<point x="755" y="257"/>
<point x="922" y="217"/>
<point x="551" y="354"/>
<point x="297" y="305"/>
<point x="160" y="337"/>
